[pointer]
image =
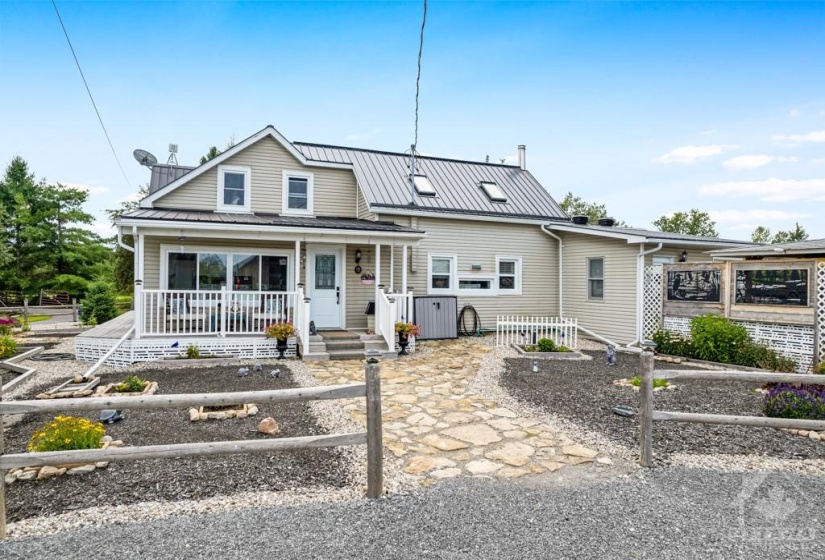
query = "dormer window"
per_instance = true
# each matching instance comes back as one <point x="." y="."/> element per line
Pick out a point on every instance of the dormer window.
<point x="297" y="193"/>
<point x="423" y="185"/>
<point x="234" y="188"/>
<point x="493" y="191"/>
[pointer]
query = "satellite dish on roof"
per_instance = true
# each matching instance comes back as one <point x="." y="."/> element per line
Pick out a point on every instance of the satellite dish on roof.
<point x="145" y="158"/>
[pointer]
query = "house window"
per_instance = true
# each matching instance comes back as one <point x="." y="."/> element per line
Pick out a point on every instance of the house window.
<point x="509" y="275"/>
<point x="483" y="285"/>
<point x="423" y="185"/>
<point x="233" y="189"/>
<point x="595" y="278"/>
<point x="207" y="271"/>
<point x="442" y="274"/>
<point x="493" y="191"/>
<point x="211" y="271"/>
<point x="297" y="195"/>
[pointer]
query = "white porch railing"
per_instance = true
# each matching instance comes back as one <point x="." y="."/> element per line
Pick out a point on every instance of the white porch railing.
<point x="302" y="319"/>
<point x="385" y="316"/>
<point x="194" y="312"/>
<point x="403" y="307"/>
<point x="528" y="330"/>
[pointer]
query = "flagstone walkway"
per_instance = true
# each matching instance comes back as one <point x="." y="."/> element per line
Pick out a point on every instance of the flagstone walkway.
<point x="442" y="429"/>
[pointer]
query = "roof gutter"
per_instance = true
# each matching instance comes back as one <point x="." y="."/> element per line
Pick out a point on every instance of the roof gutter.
<point x="120" y="242"/>
<point x="561" y="268"/>
<point x="640" y="287"/>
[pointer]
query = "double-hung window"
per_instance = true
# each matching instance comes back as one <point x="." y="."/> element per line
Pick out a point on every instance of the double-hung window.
<point x="595" y="278"/>
<point x="297" y="193"/>
<point x="442" y="274"/>
<point x="234" y="188"/>
<point x="508" y="270"/>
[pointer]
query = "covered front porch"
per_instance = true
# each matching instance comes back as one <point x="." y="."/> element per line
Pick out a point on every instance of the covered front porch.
<point x="198" y="282"/>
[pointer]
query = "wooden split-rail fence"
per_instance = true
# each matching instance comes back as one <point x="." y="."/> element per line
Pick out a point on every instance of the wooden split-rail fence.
<point x="373" y="437"/>
<point x="647" y="414"/>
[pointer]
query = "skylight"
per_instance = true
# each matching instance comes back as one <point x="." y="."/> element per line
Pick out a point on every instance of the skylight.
<point x="423" y="186"/>
<point x="493" y="191"/>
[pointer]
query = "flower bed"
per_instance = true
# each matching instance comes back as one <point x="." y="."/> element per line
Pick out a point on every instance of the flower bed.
<point x="530" y="351"/>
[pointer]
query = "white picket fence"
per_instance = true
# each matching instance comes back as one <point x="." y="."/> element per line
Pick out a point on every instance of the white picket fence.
<point x="528" y="330"/>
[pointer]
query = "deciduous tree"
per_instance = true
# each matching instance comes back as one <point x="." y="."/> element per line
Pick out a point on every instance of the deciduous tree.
<point x="692" y="222"/>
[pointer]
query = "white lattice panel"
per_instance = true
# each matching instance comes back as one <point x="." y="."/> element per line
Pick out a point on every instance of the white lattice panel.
<point x="820" y="309"/>
<point x="680" y="325"/>
<point x="652" y="301"/>
<point x="792" y="341"/>
<point x="151" y="349"/>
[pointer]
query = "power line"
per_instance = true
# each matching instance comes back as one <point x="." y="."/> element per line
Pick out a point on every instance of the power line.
<point x="91" y="97"/>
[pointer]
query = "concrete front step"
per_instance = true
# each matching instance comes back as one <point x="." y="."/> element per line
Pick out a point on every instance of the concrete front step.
<point x="346" y="355"/>
<point x="340" y="345"/>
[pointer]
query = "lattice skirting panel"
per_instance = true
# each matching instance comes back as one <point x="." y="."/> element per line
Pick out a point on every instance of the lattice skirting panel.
<point x="151" y="349"/>
<point x="652" y="301"/>
<point x="792" y="341"/>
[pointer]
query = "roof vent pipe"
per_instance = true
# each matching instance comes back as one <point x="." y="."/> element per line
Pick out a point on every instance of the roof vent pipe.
<point x="522" y="156"/>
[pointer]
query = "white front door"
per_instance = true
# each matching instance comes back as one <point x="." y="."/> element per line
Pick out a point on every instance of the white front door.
<point x="326" y="286"/>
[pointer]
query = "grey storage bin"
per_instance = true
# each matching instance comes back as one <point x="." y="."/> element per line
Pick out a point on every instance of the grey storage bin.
<point x="437" y="316"/>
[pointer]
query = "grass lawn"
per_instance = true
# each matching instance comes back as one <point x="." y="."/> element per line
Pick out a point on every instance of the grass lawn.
<point x="36" y="318"/>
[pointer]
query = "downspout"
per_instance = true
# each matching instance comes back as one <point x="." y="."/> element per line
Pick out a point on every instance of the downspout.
<point x="640" y="287"/>
<point x="120" y="242"/>
<point x="561" y="268"/>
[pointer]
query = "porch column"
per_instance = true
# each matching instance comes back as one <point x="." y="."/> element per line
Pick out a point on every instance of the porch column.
<point x="392" y="268"/>
<point x="297" y="264"/>
<point x="406" y="300"/>
<point x="377" y="276"/>
<point x="137" y="277"/>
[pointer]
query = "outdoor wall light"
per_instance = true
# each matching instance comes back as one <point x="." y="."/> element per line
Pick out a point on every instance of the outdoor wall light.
<point x="683" y="257"/>
<point x="358" y="255"/>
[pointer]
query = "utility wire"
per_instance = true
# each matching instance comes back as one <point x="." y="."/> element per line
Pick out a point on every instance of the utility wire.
<point x="418" y="77"/>
<point x="91" y="97"/>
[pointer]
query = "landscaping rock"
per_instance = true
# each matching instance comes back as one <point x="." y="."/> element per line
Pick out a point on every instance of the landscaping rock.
<point x="477" y="434"/>
<point x="422" y="464"/>
<point x="269" y="426"/>
<point x="26" y="475"/>
<point x="514" y="453"/>
<point x="482" y="466"/>
<point x="421" y="419"/>
<point x="445" y="473"/>
<point x="442" y="443"/>
<point x="47" y="472"/>
<point x="194" y="415"/>
<point x="579" y="451"/>
<point x="84" y="469"/>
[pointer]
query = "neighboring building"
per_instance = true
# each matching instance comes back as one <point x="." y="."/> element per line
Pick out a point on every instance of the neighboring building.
<point x="272" y="230"/>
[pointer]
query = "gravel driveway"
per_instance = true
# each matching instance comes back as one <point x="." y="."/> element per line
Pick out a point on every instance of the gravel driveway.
<point x="663" y="513"/>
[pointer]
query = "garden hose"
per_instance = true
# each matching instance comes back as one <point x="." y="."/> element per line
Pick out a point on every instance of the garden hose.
<point x="462" y="322"/>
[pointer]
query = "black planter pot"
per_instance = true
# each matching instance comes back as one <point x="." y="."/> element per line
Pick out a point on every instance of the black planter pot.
<point x="281" y="347"/>
<point x="403" y="342"/>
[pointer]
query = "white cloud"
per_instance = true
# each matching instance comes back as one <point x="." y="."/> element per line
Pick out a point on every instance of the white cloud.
<point x="688" y="155"/>
<point x="793" y="113"/>
<point x="769" y="190"/>
<point x="87" y="188"/>
<point x="815" y="136"/>
<point x="745" y="217"/>
<point x="364" y="135"/>
<point x="754" y="161"/>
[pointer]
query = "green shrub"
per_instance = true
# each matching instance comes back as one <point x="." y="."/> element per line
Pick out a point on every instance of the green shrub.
<point x="8" y="346"/>
<point x="637" y="382"/>
<point x="672" y="343"/>
<point x="758" y="355"/>
<point x="546" y="345"/>
<point x="563" y="349"/>
<point x="65" y="433"/>
<point x="716" y="338"/>
<point x="132" y="384"/>
<point x="99" y="304"/>
<point x="193" y="352"/>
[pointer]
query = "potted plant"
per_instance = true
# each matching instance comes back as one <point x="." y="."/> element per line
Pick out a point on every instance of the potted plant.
<point x="281" y="331"/>
<point x="368" y="278"/>
<point x="405" y="331"/>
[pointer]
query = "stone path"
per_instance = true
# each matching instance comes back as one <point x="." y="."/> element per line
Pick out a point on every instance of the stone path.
<point x="441" y="429"/>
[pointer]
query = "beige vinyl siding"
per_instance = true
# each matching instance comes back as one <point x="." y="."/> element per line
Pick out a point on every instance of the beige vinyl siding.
<point x="152" y="253"/>
<point x="614" y="316"/>
<point x="363" y="208"/>
<point x="480" y="242"/>
<point x="334" y="189"/>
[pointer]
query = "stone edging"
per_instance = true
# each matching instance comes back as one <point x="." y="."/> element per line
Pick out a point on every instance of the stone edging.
<point x="42" y="473"/>
<point x="196" y="414"/>
<point x="572" y="355"/>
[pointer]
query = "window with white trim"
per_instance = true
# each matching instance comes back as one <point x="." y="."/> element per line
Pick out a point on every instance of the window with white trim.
<point x="442" y="269"/>
<point x="508" y="270"/>
<point x="234" y="188"/>
<point x="474" y="285"/>
<point x="297" y="193"/>
<point x="595" y="278"/>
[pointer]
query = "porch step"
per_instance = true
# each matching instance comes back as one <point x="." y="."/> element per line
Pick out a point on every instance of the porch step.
<point x="346" y="354"/>
<point x="340" y="345"/>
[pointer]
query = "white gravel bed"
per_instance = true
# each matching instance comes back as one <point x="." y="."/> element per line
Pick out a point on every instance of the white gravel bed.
<point x="487" y="384"/>
<point x="55" y="372"/>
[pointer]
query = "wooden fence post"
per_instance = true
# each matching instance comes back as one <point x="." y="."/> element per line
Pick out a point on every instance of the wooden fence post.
<point x="2" y="479"/>
<point x="646" y="409"/>
<point x="375" y="444"/>
<point x="74" y="310"/>
<point x="26" y="309"/>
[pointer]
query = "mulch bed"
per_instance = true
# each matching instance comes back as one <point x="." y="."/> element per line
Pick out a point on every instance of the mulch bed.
<point x="185" y="478"/>
<point x="583" y="392"/>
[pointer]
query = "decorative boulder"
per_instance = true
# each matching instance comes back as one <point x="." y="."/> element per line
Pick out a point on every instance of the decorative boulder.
<point x="269" y="426"/>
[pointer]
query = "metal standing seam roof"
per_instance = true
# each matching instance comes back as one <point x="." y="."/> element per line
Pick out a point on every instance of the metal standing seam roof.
<point x="809" y="246"/>
<point x="663" y="236"/>
<point x="384" y="179"/>
<point x="162" y="175"/>
<point x="274" y="220"/>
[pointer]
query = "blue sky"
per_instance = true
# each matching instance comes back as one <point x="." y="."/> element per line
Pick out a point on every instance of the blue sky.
<point x="647" y="107"/>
